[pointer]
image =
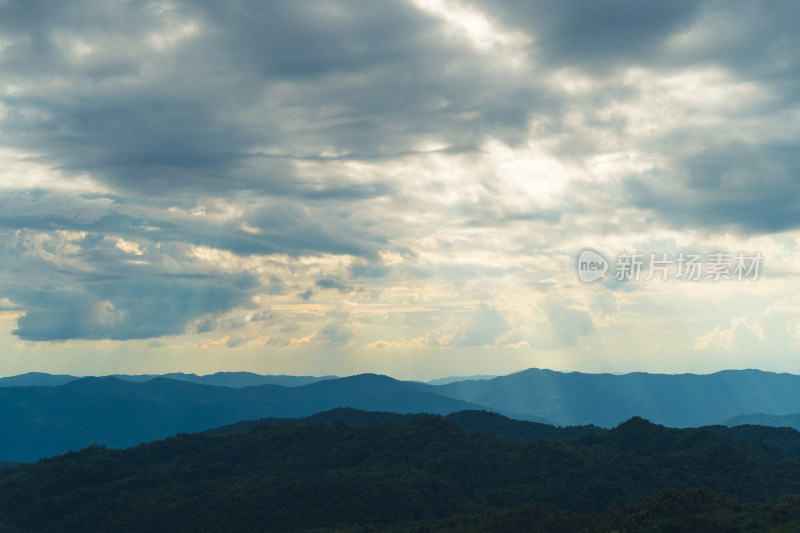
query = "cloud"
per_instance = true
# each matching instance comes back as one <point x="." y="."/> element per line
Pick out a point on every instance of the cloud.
<point x="410" y="174"/>
<point x="81" y="285"/>
<point x="775" y="329"/>
<point x="306" y="295"/>
<point x="483" y="327"/>
<point x="750" y="188"/>
<point x="554" y="324"/>
<point x="593" y="35"/>
<point x="222" y="98"/>
<point x="337" y="330"/>
<point x="120" y="310"/>
<point x="330" y="283"/>
<point x="566" y="324"/>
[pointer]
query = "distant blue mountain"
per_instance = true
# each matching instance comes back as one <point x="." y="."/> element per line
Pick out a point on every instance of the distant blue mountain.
<point x="682" y="400"/>
<point x="453" y="379"/>
<point x="220" y="379"/>
<point x="233" y="379"/>
<point x="36" y="379"/>
<point x="44" y="421"/>
<point x="763" y="419"/>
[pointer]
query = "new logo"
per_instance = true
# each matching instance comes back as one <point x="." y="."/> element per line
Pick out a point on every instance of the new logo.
<point x="591" y="266"/>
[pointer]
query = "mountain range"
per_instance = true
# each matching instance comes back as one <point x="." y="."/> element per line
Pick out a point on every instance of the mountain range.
<point x="763" y="419"/>
<point x="674" y="400"/>
<point x="220" y="379"/>
<point x="348" y="470"/>
<point x="48" y="420"/>
<point x="44" y="415"/>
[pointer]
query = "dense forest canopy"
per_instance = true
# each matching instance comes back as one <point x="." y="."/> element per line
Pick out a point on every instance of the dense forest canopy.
<point x="413" y="471"/>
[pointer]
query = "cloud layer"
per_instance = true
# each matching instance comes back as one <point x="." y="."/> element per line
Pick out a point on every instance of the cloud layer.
<point x="393" y="177"/>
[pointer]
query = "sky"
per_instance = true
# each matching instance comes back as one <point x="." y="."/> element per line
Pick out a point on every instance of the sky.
<point x="402" y="187"/>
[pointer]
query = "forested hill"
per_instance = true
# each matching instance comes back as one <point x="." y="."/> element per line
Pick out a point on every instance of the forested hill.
<point x="427" y="472"/>
<point x="474" y="420"/>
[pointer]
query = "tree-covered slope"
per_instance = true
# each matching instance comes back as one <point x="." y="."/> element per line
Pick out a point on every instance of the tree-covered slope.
<point x="336" y="475"/>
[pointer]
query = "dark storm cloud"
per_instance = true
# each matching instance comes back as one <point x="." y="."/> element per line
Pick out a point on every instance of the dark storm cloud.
<point x="740" y="177"/>
<point x="237" y="92"/>
<point x="123" y="309"/>
<point x="754" y="189"/>
<point x="276" y="226"/>
<point x="82" y="285"/>
<point x="298" y="79"/>
<point x="312" y="38"/>
<point x="757" y="40"/>
<point x="593" y="35"/>
<point x="177" y="118"/>
<point x="297" y="229"/>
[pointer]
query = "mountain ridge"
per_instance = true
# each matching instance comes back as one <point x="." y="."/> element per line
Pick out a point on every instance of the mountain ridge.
<point x="118" y="412"/>
<point x="45" y="421"/>
<point x="324" y="475"/>
<point x="222" y="379"/>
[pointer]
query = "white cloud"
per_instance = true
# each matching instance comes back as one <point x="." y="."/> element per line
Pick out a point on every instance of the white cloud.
<point x="129" y="247"/>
